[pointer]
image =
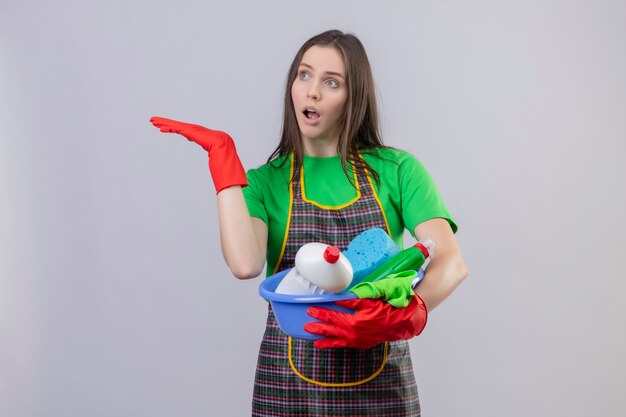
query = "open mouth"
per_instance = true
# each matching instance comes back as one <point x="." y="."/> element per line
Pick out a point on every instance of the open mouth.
<point x="310" y="113"/>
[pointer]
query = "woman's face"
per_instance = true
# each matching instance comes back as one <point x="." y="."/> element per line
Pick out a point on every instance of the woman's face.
<point x="319" y="95"/>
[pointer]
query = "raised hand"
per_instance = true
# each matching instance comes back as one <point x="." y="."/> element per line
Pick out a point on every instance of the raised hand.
<point x="224" y="164"/>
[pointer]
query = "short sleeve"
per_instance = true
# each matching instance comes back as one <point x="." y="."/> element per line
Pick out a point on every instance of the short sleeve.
<point x="421" y="200"/>
<point x="253" y="195"/>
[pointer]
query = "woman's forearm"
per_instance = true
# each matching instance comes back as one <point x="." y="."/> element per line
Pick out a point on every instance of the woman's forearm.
<point x="243" y="245"/>
<point x="446" y="271"/>
<point x="447" y="268"/>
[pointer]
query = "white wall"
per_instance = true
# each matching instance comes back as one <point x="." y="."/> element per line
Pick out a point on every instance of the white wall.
<point x="111" y="279"/>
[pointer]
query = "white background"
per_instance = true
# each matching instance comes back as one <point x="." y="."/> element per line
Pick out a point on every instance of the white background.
<point x="114" y="297"/>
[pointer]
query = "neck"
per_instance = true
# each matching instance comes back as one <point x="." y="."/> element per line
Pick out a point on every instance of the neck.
<point x="320" y="147"/>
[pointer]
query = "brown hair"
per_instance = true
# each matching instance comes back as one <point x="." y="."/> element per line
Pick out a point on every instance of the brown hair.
<point x="359" y="123"/>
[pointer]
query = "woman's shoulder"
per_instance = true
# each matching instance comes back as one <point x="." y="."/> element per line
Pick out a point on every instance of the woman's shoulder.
<point x="271" y="170"/>
<point x="389" y="156"/>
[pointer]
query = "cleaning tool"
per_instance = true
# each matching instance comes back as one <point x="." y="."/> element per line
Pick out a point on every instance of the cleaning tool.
<point x="396" y="289"/>
<point x="413" y="258"/>
<point x="368" y="250"/>
<point x="319" y="269"/>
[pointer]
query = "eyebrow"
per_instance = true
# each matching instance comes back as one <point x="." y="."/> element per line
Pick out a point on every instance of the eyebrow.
<point x="302" y="64"/>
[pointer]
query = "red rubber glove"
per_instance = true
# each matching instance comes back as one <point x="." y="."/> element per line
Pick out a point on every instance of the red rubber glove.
<point x="224" y="164"/>
<point x="375" y="321"/>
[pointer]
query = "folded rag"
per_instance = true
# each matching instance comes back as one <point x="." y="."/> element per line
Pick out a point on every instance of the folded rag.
<point x="395" y="289"/>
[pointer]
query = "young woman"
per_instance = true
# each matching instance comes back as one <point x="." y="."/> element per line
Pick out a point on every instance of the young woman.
<point x="329" y="179"/>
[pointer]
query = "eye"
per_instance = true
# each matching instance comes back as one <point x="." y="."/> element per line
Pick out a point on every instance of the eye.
<point x="303" y="75"/>
<point x="332" y="83"/>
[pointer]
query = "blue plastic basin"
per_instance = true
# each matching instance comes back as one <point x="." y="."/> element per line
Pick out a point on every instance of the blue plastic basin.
<point x="290" y="310"/>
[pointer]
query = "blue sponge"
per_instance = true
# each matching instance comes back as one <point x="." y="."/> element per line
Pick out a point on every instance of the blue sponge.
<point x="368" y="251"/>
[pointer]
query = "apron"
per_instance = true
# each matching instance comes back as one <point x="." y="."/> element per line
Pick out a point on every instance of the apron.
<point x="293" y="378"/>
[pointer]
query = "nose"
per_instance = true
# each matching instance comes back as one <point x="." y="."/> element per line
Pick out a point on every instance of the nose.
<point x="313" y="92"/>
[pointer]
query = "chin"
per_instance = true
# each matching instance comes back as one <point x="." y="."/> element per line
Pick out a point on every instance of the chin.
<point x="306" y="131"/>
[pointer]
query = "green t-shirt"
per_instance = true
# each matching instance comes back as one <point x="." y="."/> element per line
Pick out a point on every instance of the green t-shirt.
<point x="406" y="192"/>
